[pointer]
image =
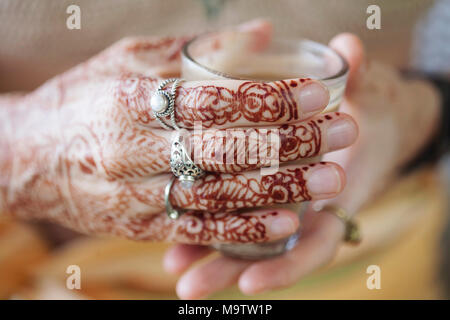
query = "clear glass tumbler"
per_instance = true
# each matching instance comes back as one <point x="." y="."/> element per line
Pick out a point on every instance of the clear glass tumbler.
<point x="282" y="58"/>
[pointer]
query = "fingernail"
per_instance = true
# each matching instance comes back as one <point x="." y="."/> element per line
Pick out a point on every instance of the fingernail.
<point x="313" y="98"/>
<point x="324" y="180"/>
<point x="249" y="286"/>
<point x="183" y="291"/>
<point x="318" y="205"/>
<point x="340" y="134"/>
<point x="282" y="226"/>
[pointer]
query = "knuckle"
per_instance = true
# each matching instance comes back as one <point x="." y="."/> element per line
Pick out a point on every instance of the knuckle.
<point x="125" y="44"/>
<point x="134" y="93"/>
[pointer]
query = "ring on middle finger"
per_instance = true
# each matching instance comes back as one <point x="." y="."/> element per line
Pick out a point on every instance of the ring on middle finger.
<point x="181" y="163"/>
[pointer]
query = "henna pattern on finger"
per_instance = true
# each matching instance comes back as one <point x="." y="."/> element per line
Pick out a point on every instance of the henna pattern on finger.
<point x="194" y="227"/>
<point x="252" y="101"/>
<point x="229" y="192"/>
<point x="300" y="141"/>
<point x="198" y="227"/>
<point x="236" y="150"/>
<point x="213" y="105"/>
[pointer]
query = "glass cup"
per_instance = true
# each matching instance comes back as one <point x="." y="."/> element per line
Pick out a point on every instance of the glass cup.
<point x="281" y="58"/>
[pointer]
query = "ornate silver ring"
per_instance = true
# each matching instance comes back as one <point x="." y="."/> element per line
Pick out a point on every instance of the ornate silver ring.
<point x="181" y="163"/>
<point x="171" y="212"/>
<point x="163" y="103"/>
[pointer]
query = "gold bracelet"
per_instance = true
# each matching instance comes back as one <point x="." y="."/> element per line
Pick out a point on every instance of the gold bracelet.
<point x="352" y="234"/>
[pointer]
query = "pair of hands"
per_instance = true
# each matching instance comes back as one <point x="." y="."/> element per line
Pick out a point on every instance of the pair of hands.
<point x="85" y="150"/>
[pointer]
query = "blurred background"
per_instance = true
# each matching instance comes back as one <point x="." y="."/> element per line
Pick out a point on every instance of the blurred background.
<point x="406" y="230"/>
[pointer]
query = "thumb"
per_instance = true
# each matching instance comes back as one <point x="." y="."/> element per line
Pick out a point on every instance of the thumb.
<point x="352" y="49"/>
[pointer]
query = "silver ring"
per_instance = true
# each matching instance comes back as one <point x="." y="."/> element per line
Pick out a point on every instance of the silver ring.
<point x="352" y="233"/>
<point x="163" y="103"/>
<point x="181" y="163"/>
<point x="171" y="212"/>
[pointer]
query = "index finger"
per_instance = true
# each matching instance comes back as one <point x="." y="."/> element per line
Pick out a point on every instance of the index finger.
<point x="226" y="103"/>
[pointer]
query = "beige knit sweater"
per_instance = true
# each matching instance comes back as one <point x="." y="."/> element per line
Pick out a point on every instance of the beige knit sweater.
<point x="35" y="43"/>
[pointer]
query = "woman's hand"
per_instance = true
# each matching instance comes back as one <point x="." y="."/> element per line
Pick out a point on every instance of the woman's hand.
<point x="396" y="117"/>
<point x="85" y="150"/>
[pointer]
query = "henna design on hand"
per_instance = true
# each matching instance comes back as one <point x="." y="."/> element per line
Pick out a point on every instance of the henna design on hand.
<point x="252" y="101"/>
<point x="82" y="144"/>
<point x="194" y="227"/>
<point x="230" y="192"/>
<point x="213" y="105"/>
<point x="158" y="57"/>
<point x="300" y="141"/>
<point x="236" y="150"/>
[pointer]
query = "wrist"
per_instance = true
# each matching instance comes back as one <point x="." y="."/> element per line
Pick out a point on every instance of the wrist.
<point x="8" y="106"/>
<point x="27" y="147"/>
